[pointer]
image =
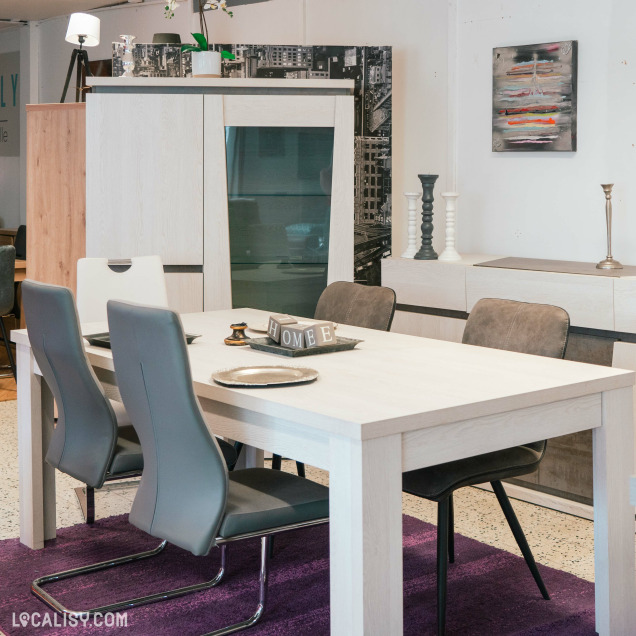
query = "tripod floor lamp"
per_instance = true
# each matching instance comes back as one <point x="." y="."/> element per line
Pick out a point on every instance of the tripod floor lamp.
<point x="83" y="29"/>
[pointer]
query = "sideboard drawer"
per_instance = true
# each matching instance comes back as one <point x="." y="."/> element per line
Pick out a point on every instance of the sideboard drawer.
<point x="588" y="299"/>
<point x="625" y="304"/>
<point x="426" y="283"/>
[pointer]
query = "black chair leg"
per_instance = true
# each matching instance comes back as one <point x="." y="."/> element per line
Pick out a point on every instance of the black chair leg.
<point x="277" y="465"/>
<point x="520" y="537"/>
<point x="451" y="529"/>
<point x="442" y="563"/>
<point x="238" y="447"/>
<point x="7" y="345"/>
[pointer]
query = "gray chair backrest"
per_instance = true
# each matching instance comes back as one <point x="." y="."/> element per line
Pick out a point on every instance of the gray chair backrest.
<point x="533" y="328"/>
<point x="357" y="305"/>
<point x="183" y="488"/>
<point x="84" y="439"/>
<point x="7" y="277"/>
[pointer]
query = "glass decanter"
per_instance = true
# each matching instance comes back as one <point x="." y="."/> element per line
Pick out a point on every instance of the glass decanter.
<point x="127" y="60"/>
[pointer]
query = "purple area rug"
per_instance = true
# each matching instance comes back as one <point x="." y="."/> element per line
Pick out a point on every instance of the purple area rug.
<point x="490" y="592"/>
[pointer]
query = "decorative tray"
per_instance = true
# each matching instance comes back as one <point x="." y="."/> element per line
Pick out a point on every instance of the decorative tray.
<point x="103" y="339"/>
<point x="268" y="345"/>
<point x="264" y="376"/>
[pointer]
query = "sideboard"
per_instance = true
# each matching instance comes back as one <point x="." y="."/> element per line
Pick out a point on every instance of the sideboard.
<point x="161" y="179"/>
<point x="434" y="298"/>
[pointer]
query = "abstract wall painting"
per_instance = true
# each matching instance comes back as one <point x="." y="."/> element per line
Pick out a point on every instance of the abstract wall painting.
<point x="534" y="97"/>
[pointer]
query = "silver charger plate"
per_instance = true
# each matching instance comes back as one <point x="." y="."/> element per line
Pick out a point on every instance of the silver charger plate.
<point x="264" y="376"/>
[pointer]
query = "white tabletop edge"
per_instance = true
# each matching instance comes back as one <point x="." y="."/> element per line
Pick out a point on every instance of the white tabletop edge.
<point x="409" y="423"/>
<point x="349" y="417"/>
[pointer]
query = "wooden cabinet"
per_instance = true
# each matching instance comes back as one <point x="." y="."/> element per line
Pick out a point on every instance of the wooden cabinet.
<point x="185" y="291"/>
<point x="56" y="202"/>
<point x="144" y="187"/>
<point x="157" y="173"/>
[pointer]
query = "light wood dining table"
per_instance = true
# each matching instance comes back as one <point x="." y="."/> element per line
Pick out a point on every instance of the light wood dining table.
<point x="394" y="403"/>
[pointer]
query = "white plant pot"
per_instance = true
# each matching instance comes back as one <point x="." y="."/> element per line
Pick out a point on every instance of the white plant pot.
<point x="206" y="64"/>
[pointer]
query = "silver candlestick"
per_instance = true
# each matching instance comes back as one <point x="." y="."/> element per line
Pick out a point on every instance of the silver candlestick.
<point x="610" y="262"/>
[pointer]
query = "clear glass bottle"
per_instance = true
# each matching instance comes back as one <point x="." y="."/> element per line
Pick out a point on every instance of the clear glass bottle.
<point x="127" y="60"/>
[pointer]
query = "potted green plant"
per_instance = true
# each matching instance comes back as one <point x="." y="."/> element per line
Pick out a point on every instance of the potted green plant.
<point x="206" y="62"/>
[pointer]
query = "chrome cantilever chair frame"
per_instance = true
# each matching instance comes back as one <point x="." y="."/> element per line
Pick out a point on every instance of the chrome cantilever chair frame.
<point x="55" y="605"/>
<point x="244" y="504"/>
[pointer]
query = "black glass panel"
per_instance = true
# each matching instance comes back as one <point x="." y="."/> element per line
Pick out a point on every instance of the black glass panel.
<point x="279" y="199"/>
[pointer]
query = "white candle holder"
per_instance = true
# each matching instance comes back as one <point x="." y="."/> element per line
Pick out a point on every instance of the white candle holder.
<point x="450" y="253"/>
<point x="411" y="248"/>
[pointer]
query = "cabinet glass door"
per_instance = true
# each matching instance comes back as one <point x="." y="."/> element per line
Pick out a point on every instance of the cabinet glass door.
<point x="279" y="207"/>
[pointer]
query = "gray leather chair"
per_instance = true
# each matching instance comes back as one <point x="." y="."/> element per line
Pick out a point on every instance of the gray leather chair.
<point x="7" y="296"/>
<point x="500" y="324"/>
<point x="187" y="496"/>
<point x="94" y="439"/>
<point x="352" y="304"/>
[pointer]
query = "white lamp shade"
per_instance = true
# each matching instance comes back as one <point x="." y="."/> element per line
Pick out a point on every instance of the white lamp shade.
<point x="83" y="24"/>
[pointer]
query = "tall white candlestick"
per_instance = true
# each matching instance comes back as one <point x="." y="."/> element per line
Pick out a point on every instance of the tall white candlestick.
<point x="411" y="248"/>
<point x="450" y="253"/>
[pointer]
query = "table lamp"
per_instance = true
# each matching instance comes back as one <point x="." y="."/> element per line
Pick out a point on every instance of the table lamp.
<point x="83" y="29"/>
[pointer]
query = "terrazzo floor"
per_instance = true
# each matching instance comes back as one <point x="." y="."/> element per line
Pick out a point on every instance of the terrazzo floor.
<point x="557" y="540"/>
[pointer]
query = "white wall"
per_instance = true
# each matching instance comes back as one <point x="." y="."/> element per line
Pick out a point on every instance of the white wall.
<point x="545" y="205"/>
<point x="417" y="29"/>
<point x="549" y="205"/>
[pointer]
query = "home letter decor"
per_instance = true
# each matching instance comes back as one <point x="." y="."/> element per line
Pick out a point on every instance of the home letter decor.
<point x="318" y="334"/>
<point x="276" y="321"/>
<point x="293" y="336"/>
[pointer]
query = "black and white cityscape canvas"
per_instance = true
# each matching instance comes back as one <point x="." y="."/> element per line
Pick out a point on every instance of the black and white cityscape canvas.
<point x="154" y="60"/>
<point x="371" y="69"/>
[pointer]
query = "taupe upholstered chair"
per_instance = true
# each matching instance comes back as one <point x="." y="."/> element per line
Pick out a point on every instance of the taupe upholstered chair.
<point x="94" y="440"/>
<point x="357" y="305"/>
<point x="352" y="304"/>
<point x="186" y="496"/>
<point x="500" y="324"/>
<point x="7" y="295"/>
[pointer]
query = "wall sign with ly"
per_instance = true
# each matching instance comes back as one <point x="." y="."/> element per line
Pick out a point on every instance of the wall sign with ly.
<point x="10" y="104"/>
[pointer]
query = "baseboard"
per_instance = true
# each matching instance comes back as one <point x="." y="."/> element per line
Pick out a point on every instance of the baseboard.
<point x="545" y="500"/>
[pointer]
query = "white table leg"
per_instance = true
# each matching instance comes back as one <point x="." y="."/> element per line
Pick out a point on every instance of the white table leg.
<point x="250" y="457"/>
<point x="614" y="516"/>
<point x="365" y="509"/>
<point x="36" y="478"/>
